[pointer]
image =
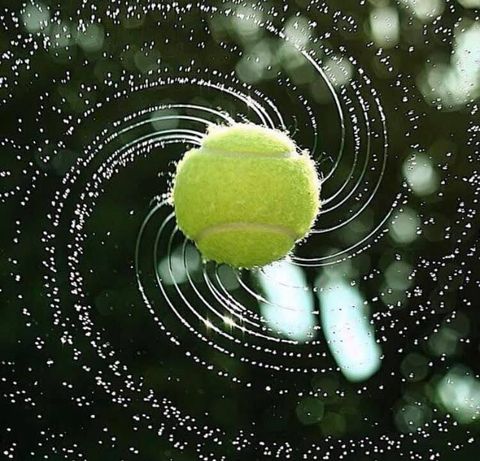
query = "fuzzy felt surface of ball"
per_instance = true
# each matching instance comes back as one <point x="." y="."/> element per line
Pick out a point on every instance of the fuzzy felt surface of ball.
<point x="246" y="195"/>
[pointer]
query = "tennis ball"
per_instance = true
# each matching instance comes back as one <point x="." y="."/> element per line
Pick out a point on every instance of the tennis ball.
<point x="246" y="196"/>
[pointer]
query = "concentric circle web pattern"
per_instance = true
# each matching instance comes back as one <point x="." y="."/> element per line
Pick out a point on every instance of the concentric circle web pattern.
<point x="121" y="342"/>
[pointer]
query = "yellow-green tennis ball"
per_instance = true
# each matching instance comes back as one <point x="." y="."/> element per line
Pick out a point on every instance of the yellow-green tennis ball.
<point x="246" y="195"/>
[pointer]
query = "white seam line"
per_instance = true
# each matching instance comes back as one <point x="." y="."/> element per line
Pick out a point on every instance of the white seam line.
<point x="245" y="226"/>
<point x="239" y="154"/>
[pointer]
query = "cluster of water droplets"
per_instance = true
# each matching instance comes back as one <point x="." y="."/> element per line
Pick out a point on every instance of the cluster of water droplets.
<point x="121" y="327"/>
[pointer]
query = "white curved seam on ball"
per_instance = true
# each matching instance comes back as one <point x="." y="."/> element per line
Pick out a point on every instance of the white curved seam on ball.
<point x="245" y="226"/>
<point x="238" y="154"/>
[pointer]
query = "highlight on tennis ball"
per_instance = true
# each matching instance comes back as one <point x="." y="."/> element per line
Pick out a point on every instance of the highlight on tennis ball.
<point x="246" y="196"/>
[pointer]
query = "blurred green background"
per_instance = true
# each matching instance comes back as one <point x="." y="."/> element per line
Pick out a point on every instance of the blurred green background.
<point x="93" y="368"/>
